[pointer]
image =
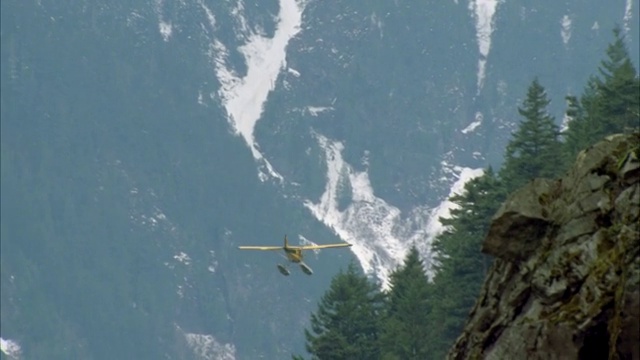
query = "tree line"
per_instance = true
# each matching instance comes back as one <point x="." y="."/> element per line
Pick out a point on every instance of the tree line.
<point x="420" y="319"/>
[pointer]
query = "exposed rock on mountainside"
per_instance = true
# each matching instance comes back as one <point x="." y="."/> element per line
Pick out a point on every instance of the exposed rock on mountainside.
<point x="565" y="283"/>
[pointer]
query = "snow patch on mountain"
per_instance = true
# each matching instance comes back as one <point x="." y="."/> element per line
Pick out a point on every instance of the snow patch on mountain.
<point x="483" y="12"/>
<point x="243" y="97"/>
<point x="315" y="110"/>
<point x="293" y="72"/>
<point x="165" y="27"/>
<point x="10" y="348"/>
<point x="380" y="235"/>
<point x="183" y="258"/>
<point x="211" y="19"/>
<point x="165" y="30"/>
<point x="206" y="347"/>
<point x="565" y="31"/>
<point x="213" y="266"/>
<point x="306" y="242"/>
<point x="564" y="126"/>
<point x="628" y="14"/>
<point x="367" y="223"/>
<point x="478" y="120"/>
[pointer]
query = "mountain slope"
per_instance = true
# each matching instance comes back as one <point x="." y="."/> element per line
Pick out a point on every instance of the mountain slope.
<point x="143" y="142"/>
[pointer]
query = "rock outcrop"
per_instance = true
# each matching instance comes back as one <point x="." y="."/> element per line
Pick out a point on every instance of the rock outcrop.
<point x="565" y="283"/>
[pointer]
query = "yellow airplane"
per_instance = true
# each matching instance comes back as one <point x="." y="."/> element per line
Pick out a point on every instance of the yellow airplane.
<point x="294" y="253"/>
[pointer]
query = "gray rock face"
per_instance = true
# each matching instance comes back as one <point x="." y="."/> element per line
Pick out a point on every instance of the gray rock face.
<point x="566" y="281"/>
<point x="523" y="219"/>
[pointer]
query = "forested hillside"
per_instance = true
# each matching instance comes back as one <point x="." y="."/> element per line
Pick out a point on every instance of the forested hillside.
<point x="420" y="319"/>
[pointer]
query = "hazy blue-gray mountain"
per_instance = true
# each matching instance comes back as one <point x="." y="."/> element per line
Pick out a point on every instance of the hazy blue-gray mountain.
<point x="142" y="142"/>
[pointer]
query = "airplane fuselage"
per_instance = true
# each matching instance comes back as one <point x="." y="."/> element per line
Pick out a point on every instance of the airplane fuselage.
<point x="294" y="255"/>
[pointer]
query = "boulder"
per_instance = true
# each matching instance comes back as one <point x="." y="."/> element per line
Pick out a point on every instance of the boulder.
<point x="520" y="223"/>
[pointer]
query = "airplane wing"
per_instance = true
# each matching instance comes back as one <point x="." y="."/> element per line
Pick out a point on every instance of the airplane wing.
<point x="327" y="246"/>
<point x="260" y="247"/>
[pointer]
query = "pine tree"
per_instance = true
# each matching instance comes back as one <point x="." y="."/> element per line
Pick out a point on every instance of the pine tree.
<point x="347" y="323"/>
<point x="584" y="127"/>
<point x="619" y="88"/>
<point x="609" y="103"/>
<point x="535" y="149"/>
<point x="406" y="326"/>
<point x="460" y="265"/>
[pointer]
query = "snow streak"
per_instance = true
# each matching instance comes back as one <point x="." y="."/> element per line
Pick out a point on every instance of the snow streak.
<point x="628" y="14"/>
<point x="206" y="347"/>
<point x="379" y="233"/>
<point x="483" y="12"/>
<point x="477" y="122"/>
<point x="10" y="348"/>
<point x="565" y="32"/>
<point x="243" y="96"/>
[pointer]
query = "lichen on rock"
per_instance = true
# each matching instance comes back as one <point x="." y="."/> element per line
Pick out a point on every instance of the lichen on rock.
<point x="566" y="280"/>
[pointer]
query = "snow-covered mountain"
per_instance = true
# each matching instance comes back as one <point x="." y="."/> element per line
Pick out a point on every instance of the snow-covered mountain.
<point x="150" y="139"/>
<point x="380" y="231"/>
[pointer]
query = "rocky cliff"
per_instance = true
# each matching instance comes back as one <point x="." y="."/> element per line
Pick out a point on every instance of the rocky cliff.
<point x="565" y="282"/>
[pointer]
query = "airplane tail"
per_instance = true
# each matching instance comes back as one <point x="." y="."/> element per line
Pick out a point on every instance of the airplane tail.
<point x="286" y="243"/>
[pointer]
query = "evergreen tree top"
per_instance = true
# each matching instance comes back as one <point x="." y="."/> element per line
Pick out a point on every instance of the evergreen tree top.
<point x="534" y="147"/>
<point x="535" y="104"/>
<point x="412" y="260"/>
<point x="617" y="63"/>
<point x="410" y="275"/>
<point x="346" y="324"/>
